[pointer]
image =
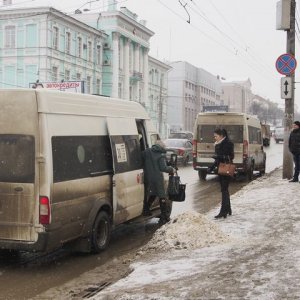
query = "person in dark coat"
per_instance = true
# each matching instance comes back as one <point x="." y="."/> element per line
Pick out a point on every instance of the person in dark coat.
<point x="224" y="150"/>
<point x="155" y="164"/>
<point x="294" y="147"/>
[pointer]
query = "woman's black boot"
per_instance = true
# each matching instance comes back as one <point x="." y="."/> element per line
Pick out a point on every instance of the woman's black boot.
<point x="229" y="211"/>
<point x="221" y="215"/>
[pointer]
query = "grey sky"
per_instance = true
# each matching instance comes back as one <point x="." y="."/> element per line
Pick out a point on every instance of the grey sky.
<point x="235" y="39"/>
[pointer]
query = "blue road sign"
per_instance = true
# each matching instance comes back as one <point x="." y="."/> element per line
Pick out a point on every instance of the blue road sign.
<point x="286" y="64"/>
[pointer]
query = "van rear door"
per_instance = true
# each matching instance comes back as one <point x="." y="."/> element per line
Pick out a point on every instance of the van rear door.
<point x="18" y="131"/>
<point x="128" y="186"/>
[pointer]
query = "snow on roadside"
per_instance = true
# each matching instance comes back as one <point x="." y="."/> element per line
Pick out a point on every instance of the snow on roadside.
<point x="189" y="230"/>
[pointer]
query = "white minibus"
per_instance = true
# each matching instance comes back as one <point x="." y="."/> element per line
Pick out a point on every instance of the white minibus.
<point x="70" y="168"/>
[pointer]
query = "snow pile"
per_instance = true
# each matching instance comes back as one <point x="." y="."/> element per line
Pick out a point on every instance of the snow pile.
<point x="189" y="230"/>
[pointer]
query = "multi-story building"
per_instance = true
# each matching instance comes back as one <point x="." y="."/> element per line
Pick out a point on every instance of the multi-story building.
<point x="237" y="95"/>
<point x="158" y="95"/>
<point x="126" y="61"/>
<point x="47" y="45"/>
<point x="128" y="71"/>
<point x="107" y="51"/>
<point x="189" y="90"/>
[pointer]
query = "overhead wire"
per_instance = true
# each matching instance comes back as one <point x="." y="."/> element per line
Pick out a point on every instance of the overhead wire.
<point x="198" y="29"/>
<point x="247" y="48"/>
<point x="218" y="42"/>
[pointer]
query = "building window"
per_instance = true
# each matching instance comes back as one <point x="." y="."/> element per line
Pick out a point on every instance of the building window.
<point x="120" y="90"/>
<point x="79" y="47"/>
<point x="98" y="87"/>
<point x="78" y="76"/>
<point x="55" y="37"/>
<point x="68" y="42"/>
<point x="54" y="73"/>
<point x="67" y="75"/>
<point x="90" y="51"/>
<point x="10" y="36"/>
<point x="98" y="58"/>
<point x="88" y="84"/>
<point x="31" y="39"/>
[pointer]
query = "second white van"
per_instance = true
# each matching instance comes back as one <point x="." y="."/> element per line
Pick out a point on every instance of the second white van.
<point x="243" y="130"/>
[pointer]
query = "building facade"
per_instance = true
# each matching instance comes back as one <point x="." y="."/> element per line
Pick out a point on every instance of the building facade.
<point x="189" y="90"/>
<point x="126" y="61"/>
<point x="45" y="44"/>
<point x="158" y="95"/>
<point x="237" y="95"/>
<point x="128" y="70"/>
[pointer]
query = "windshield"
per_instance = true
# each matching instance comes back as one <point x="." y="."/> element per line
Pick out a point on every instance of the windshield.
<point x="16" y="158"/>
<point x="206" y="133"/>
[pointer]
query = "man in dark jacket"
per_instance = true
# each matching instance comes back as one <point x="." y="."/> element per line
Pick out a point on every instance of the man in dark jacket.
<point x="294" y="147"/>
<point x="154" y="164"/>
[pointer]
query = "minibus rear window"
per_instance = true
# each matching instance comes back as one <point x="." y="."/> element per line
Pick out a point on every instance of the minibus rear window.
<point x="17" y="158"/>
<point x="206" y="133"/>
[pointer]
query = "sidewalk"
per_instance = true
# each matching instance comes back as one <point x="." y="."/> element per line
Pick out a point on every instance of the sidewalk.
<point x="253" y="254"/>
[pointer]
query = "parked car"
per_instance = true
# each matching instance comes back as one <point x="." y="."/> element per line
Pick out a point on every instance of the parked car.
<point x="279" y="134"/>
<point x="182" y="148"/>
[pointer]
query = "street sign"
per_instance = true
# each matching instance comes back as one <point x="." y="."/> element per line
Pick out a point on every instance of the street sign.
<point x="286" y="87"/>
<point x="286" y="64"/>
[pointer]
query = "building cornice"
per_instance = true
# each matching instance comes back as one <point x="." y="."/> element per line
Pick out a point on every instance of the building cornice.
<point x="36" y="11"/>
<point x="161" y="64"/>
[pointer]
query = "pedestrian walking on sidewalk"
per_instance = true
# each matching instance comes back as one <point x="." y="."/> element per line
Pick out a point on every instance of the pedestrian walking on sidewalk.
<point x="155" y="164"/>
<point x="224" y="150"/>
<point x="294" y="147"/>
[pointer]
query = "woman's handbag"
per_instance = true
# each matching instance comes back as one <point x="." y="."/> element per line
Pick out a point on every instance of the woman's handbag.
<point x="226" y="169"/>
<point x="176" y="189"/>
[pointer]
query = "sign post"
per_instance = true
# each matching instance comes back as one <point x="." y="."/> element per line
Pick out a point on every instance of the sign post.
<point x="286" y="65"/>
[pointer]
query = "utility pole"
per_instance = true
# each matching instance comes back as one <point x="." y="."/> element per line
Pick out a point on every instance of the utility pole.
<point x="287" y="170"/>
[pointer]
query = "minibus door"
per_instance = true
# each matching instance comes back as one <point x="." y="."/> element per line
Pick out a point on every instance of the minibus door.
<point x="128" y="186"/>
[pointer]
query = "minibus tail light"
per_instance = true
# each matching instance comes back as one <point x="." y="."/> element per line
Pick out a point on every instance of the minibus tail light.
<point x="44" y="210"/>
<point x="194" y="148"/>
<point x="245" y="149"/>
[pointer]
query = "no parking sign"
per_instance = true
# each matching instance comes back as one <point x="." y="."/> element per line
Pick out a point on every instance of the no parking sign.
<point x="286" y="64"/>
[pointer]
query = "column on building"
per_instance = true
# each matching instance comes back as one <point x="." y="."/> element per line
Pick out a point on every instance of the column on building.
<point x="126" y="68"/>
<point x="146" y="77"/>
<point x="115" y="76"/>
<point x="136" y="69"/>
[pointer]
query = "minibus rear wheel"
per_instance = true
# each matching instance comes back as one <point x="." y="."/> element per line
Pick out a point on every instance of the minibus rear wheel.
<point x="101" y="232"/>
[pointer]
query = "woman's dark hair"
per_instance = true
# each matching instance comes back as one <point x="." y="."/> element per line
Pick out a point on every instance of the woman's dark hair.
<point x="221" y="131"/>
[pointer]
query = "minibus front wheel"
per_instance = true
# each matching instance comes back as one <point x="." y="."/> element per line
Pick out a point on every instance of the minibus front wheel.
<point x="101" y="232"/>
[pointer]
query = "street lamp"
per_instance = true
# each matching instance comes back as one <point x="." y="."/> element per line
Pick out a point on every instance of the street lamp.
<point x="78" y="11"/>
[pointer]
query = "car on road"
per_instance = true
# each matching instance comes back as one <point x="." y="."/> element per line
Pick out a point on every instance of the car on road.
<point x="181" y="135"/>
<point x="182" y="148"/>
<point x="279" y="134"/>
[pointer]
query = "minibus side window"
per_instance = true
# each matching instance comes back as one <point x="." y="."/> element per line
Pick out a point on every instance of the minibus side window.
<point x="77" y="157"/>
<point x="254" y="135"/>
<point x="126" y="153"/>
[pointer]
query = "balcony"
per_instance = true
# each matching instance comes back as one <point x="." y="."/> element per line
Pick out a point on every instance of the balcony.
<point x="136" y="76"/>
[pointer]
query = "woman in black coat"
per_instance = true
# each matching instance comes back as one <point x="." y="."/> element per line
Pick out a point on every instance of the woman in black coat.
<point x="224" y="153"/>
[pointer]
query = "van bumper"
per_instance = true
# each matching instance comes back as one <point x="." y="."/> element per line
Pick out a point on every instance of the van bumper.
<point x="39" y="245"/>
